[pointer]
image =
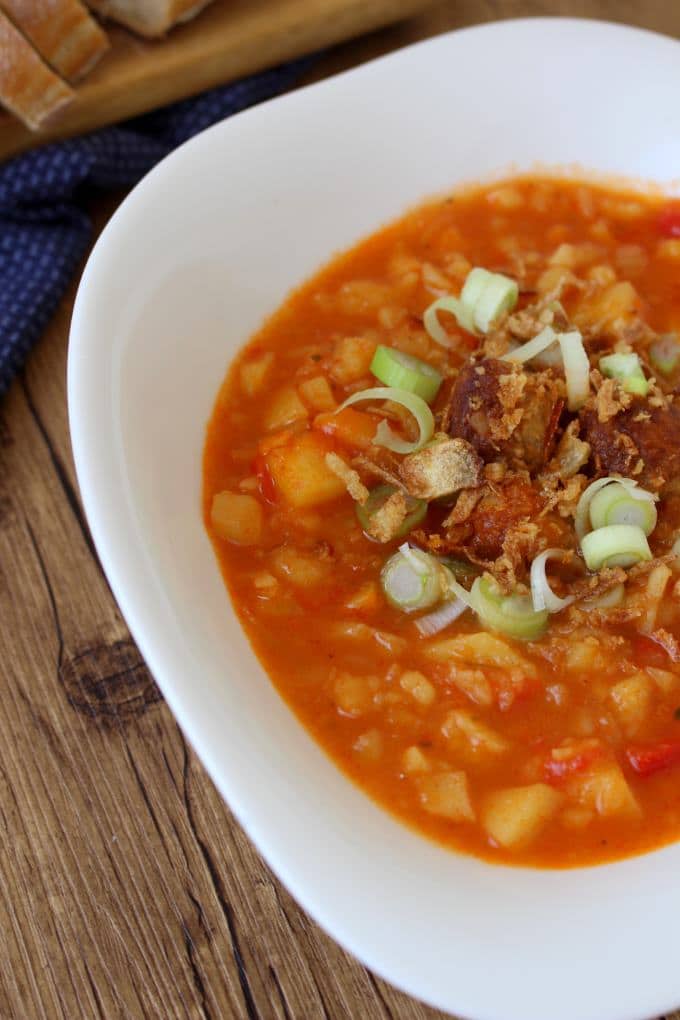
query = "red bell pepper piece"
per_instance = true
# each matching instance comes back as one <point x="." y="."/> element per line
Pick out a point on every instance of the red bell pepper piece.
<point x="645" y="759"/>
<point x="669" y="221"/>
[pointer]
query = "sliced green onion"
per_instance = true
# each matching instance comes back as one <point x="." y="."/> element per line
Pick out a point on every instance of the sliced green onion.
<point x="431" y="319"/>
<point x="513" y="615"/>
<point x="395" y="368"/>
<point x="440" y="618"/>
<point x="384" y="436"/>
<point x="413" y="580"/>
<point x="582" y="519"/>
<point x="628" y="370"/>
<point x="608" y="599"/>
<point x="623" y="504"/>
<point x="484" y="298"/>
<point x="665" y="353"/>
<point x="617" y="545"/>
<point x="417" y="508"/>
<point x="542" y="595"/>
<point x="546" y="338"/>
<point x="576" y="368"/>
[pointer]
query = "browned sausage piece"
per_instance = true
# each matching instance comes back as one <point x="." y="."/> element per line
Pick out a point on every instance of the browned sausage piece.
<point x="641" y="442"/>
<point x="501" y="410"/>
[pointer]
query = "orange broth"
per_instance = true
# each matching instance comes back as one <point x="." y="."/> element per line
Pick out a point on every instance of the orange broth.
<point x="307" y="588"/>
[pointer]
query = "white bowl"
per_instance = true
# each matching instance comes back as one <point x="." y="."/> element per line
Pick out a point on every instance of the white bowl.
<point x="205" y="247"/>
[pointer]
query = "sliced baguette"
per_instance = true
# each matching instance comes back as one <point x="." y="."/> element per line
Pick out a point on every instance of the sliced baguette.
<point x="62" y="31"/>
<point x="28" y="88"/>
<point x="148" y="17"/>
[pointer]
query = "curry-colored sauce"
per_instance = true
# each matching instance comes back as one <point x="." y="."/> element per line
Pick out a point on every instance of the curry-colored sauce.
<point x="302" y="634"/>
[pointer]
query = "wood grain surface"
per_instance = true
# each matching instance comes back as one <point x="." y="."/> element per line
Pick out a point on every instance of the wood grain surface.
<point x="127" y="889"/>
<point x="230" y="39"/>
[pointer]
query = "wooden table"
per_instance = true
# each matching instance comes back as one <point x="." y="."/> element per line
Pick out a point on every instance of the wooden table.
<point x="126" y="887"/>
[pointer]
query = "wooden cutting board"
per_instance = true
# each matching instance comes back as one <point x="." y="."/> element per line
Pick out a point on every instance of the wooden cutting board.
<point x="230" y="39"/>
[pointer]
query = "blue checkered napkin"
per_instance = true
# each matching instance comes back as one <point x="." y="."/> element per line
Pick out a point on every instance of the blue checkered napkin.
<point x="44" y="231"/>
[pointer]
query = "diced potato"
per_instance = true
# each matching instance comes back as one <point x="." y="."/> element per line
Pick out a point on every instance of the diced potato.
<point x="573" y="256"/>
<point x="446" y="795"/>
<point x="353" y="694"/>
<point x="623" y="209"/>
<point x="391" y="316"/>
<point x="669" y="248"/>
<point x="585" y="655"/>
<point x="434" y="280"/>
<point x="663" y="678"/>
<point x="618" y="301"/>
<point x="472" y="682"/>
<point x="359" y="296"/>
<point x="414" y="761"/>
<point x="254" y="373"/>
<point x="391" y="644"/>
<point x="553" y="278"/>
<point x="237" y="517"/>
<point x="352" y="358"/>
<point x="461" y="723"/>
<point x="366" y="599"/>
<point x="602" y="275"/>
<point x="604" y="789"/>
<point x="600" y="231"/>
<point x="631" y="258"/>
<point x="632" y="699"/>
<point x="457" y="266"/>
<point x="481" y="649"/>
<point x="317" y="394"/>
<point x="505" y="197"/>
<point x="515" y="816"/>
<point x="265" y="583"/>
<point x="370" y="745"/>
<point x="302" y="569"/>
<point x="285" y="407"/>
<point x="576" y="817"/>
<point x="300" y="473"/>
<point x="418" y="686"/>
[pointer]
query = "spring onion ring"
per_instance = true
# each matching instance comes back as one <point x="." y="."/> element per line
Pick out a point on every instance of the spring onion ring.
<point x="384" y="436"/>
<point x="412" y="579"/>
<point x="582" y="521"/>
<point x="542" y="595"/>
<point x="622" y="504"/>
<point x="540" y="343"/>
<point x="628" y="370"/>
<point x="485" y="297"/>
<point x="403" y="371"/>
<point x="431" y="319"/>
<point x="664" y="353"/>
<point x="513" y="615"/>
<point x="440" y="618"/>
<point x="576" y="368"/>
<point x="616" y="545"/>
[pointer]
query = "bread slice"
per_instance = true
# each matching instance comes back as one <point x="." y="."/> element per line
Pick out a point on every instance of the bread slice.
<point x="62" y="31"/>
<point x="148" y="17"/>
<point x="27" y="85"/>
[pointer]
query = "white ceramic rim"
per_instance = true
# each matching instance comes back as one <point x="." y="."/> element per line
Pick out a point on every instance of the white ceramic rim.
<point x="628" y="997"/>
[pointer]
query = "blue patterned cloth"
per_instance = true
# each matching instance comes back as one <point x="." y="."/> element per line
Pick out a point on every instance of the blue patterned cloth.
<point x="44" y="230"/>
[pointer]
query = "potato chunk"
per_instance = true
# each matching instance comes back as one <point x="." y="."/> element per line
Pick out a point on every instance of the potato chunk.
<point x="352" y="358"/>
<point x="285" y="408"/>
<point x="418" y="686"/>
<point x="300" y="472"/>
<point x="302" y="569"/>
<point x="632" y="700"/>
<point x="605" y="790"/>
<point x="464" y="729"/>
<point x="481" y="649"/>
<point x="317" y="394"/>
<point x="515" y="816"/>
<point x="353" y="694"/>
<point x="254" y="373"/>
<point x="237" y="517"/>
<point x="446" y="794"/>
